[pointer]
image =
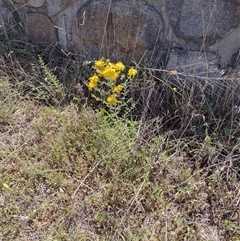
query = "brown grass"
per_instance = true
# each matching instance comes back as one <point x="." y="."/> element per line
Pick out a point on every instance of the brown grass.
<point x="67" y="172"/>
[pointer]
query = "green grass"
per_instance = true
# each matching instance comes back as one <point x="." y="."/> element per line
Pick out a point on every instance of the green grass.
<point x="69" y="172"/>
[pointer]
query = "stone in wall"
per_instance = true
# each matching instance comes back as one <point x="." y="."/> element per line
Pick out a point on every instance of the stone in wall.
<point x="19" y="1"/>
<point x="129" y="28"/>
<point x="194" y="63"/>
<point x="55" y="6"/>
<point x="124" y="30"/>
<point x="36" y="3"/>
<point x="227" y="47"/>
<point x="31" y="3"/>
<point x="197" y="69"/>
<point x="235" y="60"/>
<point x="40" y="28"/>
<point x="202" y="22"/>
<point x="2" y="18"/>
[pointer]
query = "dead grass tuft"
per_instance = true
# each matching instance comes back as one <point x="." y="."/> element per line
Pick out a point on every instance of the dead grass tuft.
<point x="68" y="172"/>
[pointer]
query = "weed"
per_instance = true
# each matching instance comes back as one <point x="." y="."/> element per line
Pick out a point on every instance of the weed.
<point x="109" y="86"/>
<point x="170" y="172"/>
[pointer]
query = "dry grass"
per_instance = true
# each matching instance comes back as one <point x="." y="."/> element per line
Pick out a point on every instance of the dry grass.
<point x="71" y="173"/>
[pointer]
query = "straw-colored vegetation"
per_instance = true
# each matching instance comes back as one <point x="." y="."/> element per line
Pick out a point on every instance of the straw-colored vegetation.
<point x="161" y="161"/>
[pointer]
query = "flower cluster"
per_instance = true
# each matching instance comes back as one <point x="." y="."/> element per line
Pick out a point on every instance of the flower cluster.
<point x="109" y="80"/>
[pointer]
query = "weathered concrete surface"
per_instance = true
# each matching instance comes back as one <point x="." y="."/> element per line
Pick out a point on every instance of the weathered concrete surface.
<point x="129" y="28"/>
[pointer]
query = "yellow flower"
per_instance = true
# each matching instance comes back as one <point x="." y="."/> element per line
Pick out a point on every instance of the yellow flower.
<point x="119" y="66"/>
<point x="117" y="89"/>
<point x="99" y="64"/>
<point x="112" y="99"/>
<point x="132" y="72"/>
<point x="110" y="73"/>
<point x="91" y="86"/>
<point x="94" y="79"/>
<point x="174" y="89"/>
<point x="6" y="185"/>
<point x="93" y="82"/>
<point x="93" y="96"/>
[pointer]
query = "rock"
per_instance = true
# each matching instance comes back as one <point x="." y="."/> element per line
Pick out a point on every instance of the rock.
<point x="202" y="22"/>
<point x="31" y="3"/>
<point x="2" y="201"/>
<point x="55" y="6"/>
<point x="227" y="47"/>
<point x="194" y="68"/>
<point x="19" y="1"/>
<point x="235" y="60"/>
<point x="36" y="3"/>
<point x="40" y="28"/>
<point x="2" y="22"/>
<point x="199" y="71"/>
<point x="194" y="63"/>
<point x="124" y="31"/>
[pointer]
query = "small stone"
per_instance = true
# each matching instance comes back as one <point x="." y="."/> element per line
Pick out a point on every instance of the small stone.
<point x="2" y="201"/>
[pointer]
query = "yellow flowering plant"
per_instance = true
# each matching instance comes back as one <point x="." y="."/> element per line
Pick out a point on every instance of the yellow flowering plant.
<point x="108" y="84"/>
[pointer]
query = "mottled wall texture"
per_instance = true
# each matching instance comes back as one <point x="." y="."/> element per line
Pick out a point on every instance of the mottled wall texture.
<point x="166" y="31"/>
